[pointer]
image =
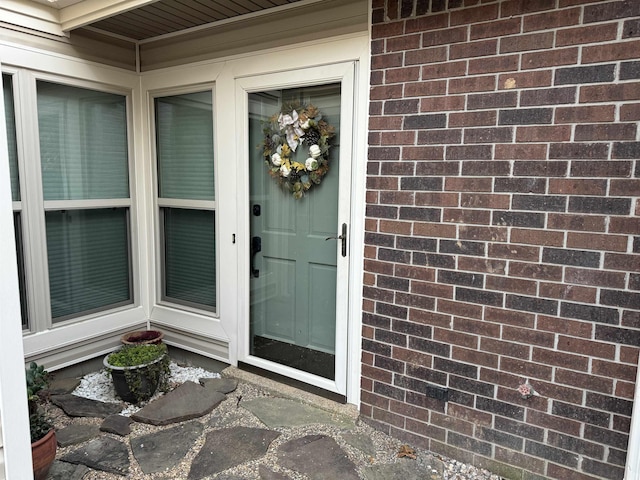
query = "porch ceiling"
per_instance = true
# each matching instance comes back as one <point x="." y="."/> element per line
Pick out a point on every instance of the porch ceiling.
<point x="141" y="20"/>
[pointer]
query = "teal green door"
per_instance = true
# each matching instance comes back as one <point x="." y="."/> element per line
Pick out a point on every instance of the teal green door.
<point x="294" y="227"/>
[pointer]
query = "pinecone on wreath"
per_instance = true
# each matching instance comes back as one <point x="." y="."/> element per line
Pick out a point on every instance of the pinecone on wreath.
<point x="311" y="137"/>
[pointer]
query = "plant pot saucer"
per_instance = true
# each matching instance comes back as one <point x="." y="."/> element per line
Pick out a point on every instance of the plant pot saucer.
<point x="142" y="337"/>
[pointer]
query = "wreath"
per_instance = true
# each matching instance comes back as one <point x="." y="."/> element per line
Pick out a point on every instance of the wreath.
<point x="292" y="128"/>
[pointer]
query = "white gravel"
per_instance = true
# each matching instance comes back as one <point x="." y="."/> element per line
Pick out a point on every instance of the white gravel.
<point x="98" y="385"/>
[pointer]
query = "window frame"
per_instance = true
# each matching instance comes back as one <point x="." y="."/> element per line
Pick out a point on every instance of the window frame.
<point x="159" y="203"/>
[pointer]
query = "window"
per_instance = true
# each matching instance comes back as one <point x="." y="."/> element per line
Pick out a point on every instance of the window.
<point x="85" y="189"/>
<point x="186" y="199"/>
<point x="10" y="122"/>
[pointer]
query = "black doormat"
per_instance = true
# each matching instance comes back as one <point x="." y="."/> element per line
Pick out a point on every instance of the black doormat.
<point x="301" y="358"/>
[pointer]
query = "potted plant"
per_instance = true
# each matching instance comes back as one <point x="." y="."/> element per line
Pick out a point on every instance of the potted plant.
<point x="142" y="337"/>
<point x="43" y="437"/>
<point x="138" y="370"/>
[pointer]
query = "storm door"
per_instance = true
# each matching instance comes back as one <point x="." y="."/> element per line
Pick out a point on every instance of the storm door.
<point x="299" y="194"/>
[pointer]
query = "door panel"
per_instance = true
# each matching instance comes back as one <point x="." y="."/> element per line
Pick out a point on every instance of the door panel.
<point x="293" y="283"/>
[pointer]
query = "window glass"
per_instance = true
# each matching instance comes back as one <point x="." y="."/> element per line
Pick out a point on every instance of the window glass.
<point x="190" y="256"/>
<point x="10" y="122"/>
<point x="83" y="143"/>
<point x="89" y="260"/>
<point x="186" y="199"/>
<point x="185" y="146"/>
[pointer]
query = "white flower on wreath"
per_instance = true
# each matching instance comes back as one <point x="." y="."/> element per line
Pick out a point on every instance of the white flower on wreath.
<point x="311" y="164"/>
<point x="285" y="170"/>
<point x="276" y="159"/>
<point x="314" y="151"/>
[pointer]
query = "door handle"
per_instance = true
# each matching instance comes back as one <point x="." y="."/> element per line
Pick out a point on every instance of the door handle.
<point x="256" y="246"/>
<point x="342" y="238"/>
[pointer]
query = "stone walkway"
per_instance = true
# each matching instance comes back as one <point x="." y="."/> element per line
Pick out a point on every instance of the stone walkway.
<point x="236" y="427"/>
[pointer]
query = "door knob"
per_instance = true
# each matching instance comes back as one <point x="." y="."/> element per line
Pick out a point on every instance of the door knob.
<point x="342" y="238"/>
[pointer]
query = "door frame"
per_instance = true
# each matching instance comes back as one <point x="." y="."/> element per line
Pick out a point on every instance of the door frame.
<point x="344" y="74"/>
<point x="347" y="58"/>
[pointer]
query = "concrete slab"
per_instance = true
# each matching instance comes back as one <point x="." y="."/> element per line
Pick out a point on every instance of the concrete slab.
<point x="160" y="451"/>
<point x="105" y="453"/>
<point x="186" y="402"/>
<point x="229" y="447"/>
<point x="318" y="457"/>
<point x="283" y="412"/>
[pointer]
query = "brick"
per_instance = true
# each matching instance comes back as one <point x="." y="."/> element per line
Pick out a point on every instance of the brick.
<point x="405" y="42"/>
<point x="530" y="304"/>
<point x="426" y="24"/>
<point x="599" y="132"/>
<point x="477" y="217"/>
<point x="629" y="70"/>
<point x="551" y="20"/>
<point x="631" y="28"/>
<point x="425" y="121"/>
<point x="620" y="299"/>
<point x="520" y="152"/>
<point x="474" y="200"/>
<point x="589" y="313"/>
<point x="388" y="60"/>
<point x="425" y="88"/>
<point x="439" y="137"/>
<point x="482" y="265"/>
<point x="495" y="29"/>
<point x="422" y="153"/>
<point x="556" y="57"/>
<point x="500" y="64"/>
<point x="591" y="74"/>
<point x="472" y="84"/>
<point x="576" y="222"/>
<point x="531" y="79"/>
<point x="514" y="252"/>
<point x="589" y="241"/>
<point x="615" y="370"/>
<point x="440" y="104"/>
<point x="525" y="116"/>
<point x="610" y="92"/>
<point x="425" y="55"/>
<point x="519" y="7"/>
<point x="585" y="114"/>
<point x="519" y="429"/>
<point x="521" y="43"/>
<point x="606" y="436"/>
<point x="502" y="409"/>
<point x="526" y="369"/>
<point x="534" y="337"/>
<point x="534" y="168"/>
<point x="603" y="205"/>
<point x="472" y="119"/>
<point x="602" y="469"/>
<point x="522" y="185"/>
<point x="474" y="15"/>
<point x="568" y="292"/>
<point x="445" y="36"/>
<point x="488" y="135"/>
<point x="580" y="151"/>
<point x="613" y="261"/>
<point x="504" y="348"/>
<point x="397" y="138"/>
<point x="546" y="203"/>
<point x="444" y="70"/>
<point x="586" y="415"/>
<point x="578" y="187"/>
<point x="552" y="422"/>
<point x="399" y="75"/>
<point x="624" y="150"/>
<point x="555" y="455"/>
<point x="468" y="152"/>
<point x="400" y="106"/>
<point x="481" y="48"/>
<point x="571" y="257"/>
<point x="611" y="10"/>
<point x="458" y="368"/>
<point x="600" y="169"/>
<point x="609" y="404"/>
<point x="492" y="100"/>
<point x="509" y="317"/>
<point x="436" y="199"/>
<point x="421" y="183"/>
<point x="610" y="52"/>
<point x="584" y="381"/>
<point x="537" y="237"/>
<point x="586" y="34"/>
<point x="555" y="133"/>
<point x="548" y="96"/>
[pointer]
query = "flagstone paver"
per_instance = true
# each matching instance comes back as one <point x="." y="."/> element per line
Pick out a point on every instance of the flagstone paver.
<point x="105" y="453"/>
<point x="222" y="385"/>
<point x="283" y="412"/>
<point x="66" y="471"/>
<point x="267" y="474"/>
<point x="229" y="447"/>
<point x="75" y="406"/>
<point x="360" y="441"/>
<point x="405" y="469"/>
<point x="160" y="451"/>
<point x="74" y="434"/>
<point x="318" y="457"/>
<point x="117" y="424"/>
<point x="189" y="400"/>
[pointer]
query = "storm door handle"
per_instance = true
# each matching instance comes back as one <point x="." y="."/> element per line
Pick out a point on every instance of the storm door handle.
<point x="256" y="246"/>
<point x="342" y="238"/>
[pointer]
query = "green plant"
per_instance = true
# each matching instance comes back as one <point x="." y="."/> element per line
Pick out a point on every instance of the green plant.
<point x="156" y="370"/>
<point x="37" y="379"/>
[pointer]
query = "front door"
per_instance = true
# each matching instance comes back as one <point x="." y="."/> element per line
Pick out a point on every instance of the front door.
<point x="299" y="141"/>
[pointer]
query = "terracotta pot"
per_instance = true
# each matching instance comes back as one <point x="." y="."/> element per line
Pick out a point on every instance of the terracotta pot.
<point x="43" y="453"/>
<point x="142" y="337"/>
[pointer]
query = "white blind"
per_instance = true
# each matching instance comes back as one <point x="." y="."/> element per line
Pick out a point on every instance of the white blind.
<point x="185" y="146"/>
<point x="10" y="122"/>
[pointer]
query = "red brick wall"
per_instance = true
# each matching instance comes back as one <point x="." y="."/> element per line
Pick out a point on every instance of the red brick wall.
<point x="503" y="231"/>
